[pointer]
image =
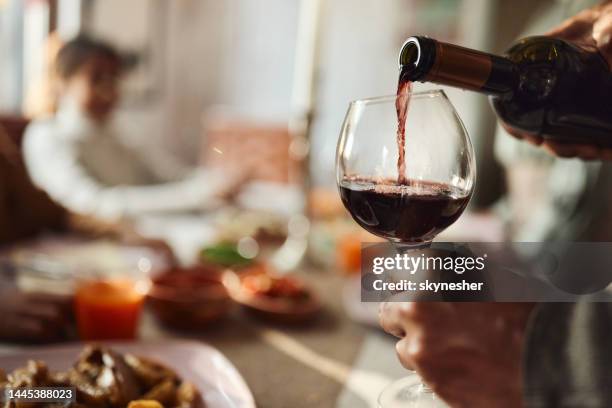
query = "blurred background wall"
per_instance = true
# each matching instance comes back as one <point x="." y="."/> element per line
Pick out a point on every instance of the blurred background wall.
<point x="199" y="58"/>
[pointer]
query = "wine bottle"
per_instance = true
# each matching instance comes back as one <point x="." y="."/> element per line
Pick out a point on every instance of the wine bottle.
<point x="543" y="86"/>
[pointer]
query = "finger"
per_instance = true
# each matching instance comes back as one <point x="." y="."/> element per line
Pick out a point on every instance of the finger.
<point x="432" y="313"/>
<point x="586" y="152"/>
<point x="452" y="374"/>
<point x="519" y="134"/>
<point x="602" y="34"/>
<point x="560" y="149"/>
<point x="419" y="349"/>
<point x="390" y="320"/>
<point x="407" y="349"/>
<point x="533" y="139"/>
<point x="511" y="131"/>
<point x="401" y="318"/>
<point x="579" y="27"/>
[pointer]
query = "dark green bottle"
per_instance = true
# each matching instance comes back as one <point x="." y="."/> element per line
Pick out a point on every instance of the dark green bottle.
<point x="544" y="86"/>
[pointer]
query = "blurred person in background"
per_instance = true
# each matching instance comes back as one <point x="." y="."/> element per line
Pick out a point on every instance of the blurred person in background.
<point x="25" y="213"/>
<point x="519" y="354"/>
<point x="82" y="158"/>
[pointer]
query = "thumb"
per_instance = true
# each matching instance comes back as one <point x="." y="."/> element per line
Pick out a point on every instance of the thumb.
<point x="602" y="34"/>
<point x="578" y="28"/>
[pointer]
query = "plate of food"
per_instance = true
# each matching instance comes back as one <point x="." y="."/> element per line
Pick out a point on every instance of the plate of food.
<point x="132" y="374"/>
<point x="280" y="297"/>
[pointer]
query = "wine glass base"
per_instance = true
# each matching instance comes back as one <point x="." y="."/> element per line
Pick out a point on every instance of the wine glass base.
<point x="409" y="392"/>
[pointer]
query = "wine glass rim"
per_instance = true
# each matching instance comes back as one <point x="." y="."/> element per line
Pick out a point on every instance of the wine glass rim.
<point x="434" y="93"/>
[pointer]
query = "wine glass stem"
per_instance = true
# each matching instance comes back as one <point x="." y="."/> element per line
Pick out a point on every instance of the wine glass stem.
<point x="404" y="247"/>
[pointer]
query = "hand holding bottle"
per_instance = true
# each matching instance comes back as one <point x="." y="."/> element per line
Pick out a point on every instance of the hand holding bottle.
<point x="551" y="90"/>
<point x="590" y="28"/>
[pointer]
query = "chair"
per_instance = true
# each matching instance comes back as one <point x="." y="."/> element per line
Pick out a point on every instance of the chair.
<point x="14" y="126"/>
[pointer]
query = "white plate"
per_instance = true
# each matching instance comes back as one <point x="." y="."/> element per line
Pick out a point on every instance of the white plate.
<point x="214" y="376"/>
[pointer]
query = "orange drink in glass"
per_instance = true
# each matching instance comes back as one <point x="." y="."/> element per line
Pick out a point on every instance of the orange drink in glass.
<point x="109" y="308"/>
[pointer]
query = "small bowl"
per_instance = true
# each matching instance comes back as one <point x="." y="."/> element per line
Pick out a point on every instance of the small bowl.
<point x="275" y="308"/>
<point x="189" y="298"/>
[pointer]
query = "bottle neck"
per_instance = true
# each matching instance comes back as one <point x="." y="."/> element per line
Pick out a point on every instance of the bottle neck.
<point x="426" y="60"/>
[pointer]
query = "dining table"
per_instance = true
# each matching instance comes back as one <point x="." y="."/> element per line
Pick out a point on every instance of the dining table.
<point x="329" y="361"/>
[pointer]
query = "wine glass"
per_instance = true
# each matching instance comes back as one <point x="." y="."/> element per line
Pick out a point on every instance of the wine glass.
<point x="408" y="208"/>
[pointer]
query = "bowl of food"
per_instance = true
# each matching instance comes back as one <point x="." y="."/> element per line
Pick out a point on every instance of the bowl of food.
<point x="282" y="298"/>
<point x="189" y="298"/>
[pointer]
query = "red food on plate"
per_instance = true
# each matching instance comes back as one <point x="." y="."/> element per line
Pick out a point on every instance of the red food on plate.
<point x="263" y="284"/>
<point x="275" y="297"/>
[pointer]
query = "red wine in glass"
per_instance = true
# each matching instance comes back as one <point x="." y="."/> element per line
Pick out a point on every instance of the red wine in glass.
<point x="413" y="212"/>
<point x="402" y="210"/>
